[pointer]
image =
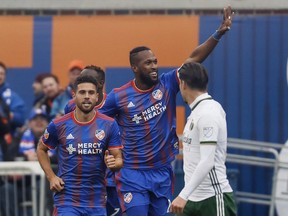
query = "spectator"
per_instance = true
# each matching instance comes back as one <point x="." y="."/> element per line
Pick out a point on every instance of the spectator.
<point x="74" y="69"/>
<point x="13" y="111"/>
<point x="51" y="89"/>
<point x="26" y="151"/>
<point x="37" y="87"/>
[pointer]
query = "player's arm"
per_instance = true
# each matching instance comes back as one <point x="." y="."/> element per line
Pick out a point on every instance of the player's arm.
<point x="113" y="159"/>
<point x="56" y="183"/>
<point x="207" y="155"/>
<point x="201" y="52"/>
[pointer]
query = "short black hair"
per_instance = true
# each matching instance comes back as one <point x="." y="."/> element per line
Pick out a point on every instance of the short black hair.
<point x="195" y="75"/>
<point x="98" y="70"/>
<point x="3" y="66"/>
<point x="85" y="79"/>
<point x="133" y="53"/>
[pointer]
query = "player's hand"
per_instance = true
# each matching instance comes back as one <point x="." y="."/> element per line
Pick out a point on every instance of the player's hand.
<point x="109" y="160"/>
<point x="227" y="20"/>
<point x="178" y="204"/>
<point x="56" y="184"/>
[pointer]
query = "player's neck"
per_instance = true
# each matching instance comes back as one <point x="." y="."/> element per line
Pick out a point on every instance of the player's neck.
<point x="84" y="117"/>
<point x="142" y="86"/>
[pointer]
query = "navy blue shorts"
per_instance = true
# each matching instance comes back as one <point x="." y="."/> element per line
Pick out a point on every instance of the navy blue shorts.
<point x="150" y="190"/>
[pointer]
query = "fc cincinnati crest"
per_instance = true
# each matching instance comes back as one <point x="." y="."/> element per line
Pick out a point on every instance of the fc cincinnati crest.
<point x="46" y="134"/>
<point x="100" y="134"/>
<point x="157" y="94"/>
<point x="128" y="197"/>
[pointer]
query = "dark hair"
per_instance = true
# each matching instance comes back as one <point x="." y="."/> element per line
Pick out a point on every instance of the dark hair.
<point x="133" y="53"/>
<point x="85" y="79"/>
<point x="52" y="76"/>
<point x="98" y="70"/>
<point x="40" y="77"/>
<point x="3" y="66"/>
<point x="195" y="75"/>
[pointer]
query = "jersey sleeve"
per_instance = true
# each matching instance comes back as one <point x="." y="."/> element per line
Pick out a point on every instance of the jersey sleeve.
<point x="50" y="137"/>
<point x="208" y="129"/>
<point x="70" y="106"/>
<point x="171" y="79"/>
<point x="115" y="138"/>
<point x="110" y="106"/>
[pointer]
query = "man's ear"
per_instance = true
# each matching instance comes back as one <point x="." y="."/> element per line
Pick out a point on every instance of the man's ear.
<point x="73" y="93"/>
<point x="134" y="68"/>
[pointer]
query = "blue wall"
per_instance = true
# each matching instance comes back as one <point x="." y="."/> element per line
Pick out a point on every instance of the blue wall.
<point x="248" y="77"/>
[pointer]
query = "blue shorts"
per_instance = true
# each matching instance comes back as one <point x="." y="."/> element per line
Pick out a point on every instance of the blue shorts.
<point x="149" y="189"/>
<point x="113" y="205"/>
<point x="79" y="211"/>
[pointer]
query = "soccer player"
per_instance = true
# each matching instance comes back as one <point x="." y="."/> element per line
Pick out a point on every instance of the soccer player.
<point x="99" y="75"/>
<point x="145" y="110"/>
<point x="207" y="191"/>
<point x="84" y="139"/>
<point x="113" y="206"/>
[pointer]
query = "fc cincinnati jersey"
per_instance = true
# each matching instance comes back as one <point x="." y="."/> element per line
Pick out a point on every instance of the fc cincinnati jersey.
<point x="147" y="121"/>
<point x="206" y="124"/>
<point x="81" y="149"/>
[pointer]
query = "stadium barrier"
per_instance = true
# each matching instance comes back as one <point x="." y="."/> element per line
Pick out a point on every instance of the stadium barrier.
<point x="277" y="161"/>
<point x="15" y="177"/>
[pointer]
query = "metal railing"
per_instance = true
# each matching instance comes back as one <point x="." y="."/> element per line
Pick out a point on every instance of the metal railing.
<point x="20" y="170"/>
<point x="261" y="161"/>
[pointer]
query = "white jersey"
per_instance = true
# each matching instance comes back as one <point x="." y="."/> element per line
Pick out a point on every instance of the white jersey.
<point x="206" y="124"/>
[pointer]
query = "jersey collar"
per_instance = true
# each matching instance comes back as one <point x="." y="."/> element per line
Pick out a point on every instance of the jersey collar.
<point x="200" y="98"/>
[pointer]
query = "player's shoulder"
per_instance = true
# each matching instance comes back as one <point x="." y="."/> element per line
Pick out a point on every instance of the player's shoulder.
<point x="63" y="118"/>
<point x="123" y="87"/>
<point x="104" y="117"/>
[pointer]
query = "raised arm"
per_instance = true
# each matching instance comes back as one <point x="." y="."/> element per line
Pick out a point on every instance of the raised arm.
<point x="200" y="53"/>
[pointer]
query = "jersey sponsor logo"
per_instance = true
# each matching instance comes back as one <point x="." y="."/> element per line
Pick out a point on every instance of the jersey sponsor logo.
<point x="149" y="113"/>
<point x="71" y="149"/>
<point x="208" y="131"/>
<point x="157" y="94"/>
<point x="176" y="145"/>
<point x="153" y="111"/>
<point x="89" y="148"/>
<point x="136" y="119"/>
<point x="46" y="134"/>
<point x="128" y="197"/>
<point x="131" y="104"/>
<point x="70" y="136"/>
<point x="100" y="134"/>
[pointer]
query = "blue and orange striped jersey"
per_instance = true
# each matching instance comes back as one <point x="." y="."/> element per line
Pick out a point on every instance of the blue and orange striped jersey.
<point x="81" y="148"/>
<point x="147" y="121"/>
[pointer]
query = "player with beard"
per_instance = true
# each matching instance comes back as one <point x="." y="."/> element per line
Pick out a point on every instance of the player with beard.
<point x="145" y="110"/>
<point x="84" y="139"/>
<point x="112" y="206"/>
